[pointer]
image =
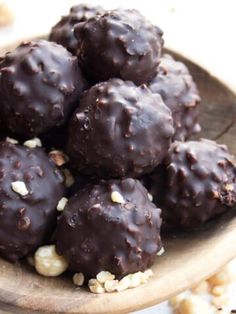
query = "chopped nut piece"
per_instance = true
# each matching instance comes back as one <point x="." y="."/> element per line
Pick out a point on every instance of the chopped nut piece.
<point x="150" y="197"/>
<point x="34" y="142"/>
<point x="48" y="263"/>
<point x="223" y="277"/>
<point x="202" y="287"/>
<point x="69" y="179"/>
<point x="78" y="279"/>
<point x="194" y="305"/>
<point x="19" y="187"/>
<point x="58" y="157"/>
<point x="110" y="285"/>
<point x="62" y="203"/>
<point x="123" y="284"/>
<point x="103" y="276"/>
<point x="161" y="252"/>
<point x="218" y="290"/>
<point x="116" y="197"/>
<point x="145" y="276"/>
<point x="135" y="279"/>
<point x="95" y="286"/>
<point x="11" y="140"/>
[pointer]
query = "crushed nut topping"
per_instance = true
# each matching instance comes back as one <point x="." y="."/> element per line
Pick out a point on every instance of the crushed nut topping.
<point x="116" y="197"/>
<point x="20" y="188"/>
<point x="58" y="157"/>
<point x="62" y="203"/>
<point x="34" y="142"/>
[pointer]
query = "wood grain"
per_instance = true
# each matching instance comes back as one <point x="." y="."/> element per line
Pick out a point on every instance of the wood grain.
<point x="189" y="258"/>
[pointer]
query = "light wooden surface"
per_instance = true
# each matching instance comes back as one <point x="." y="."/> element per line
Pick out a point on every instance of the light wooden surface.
<point x="189" y="258"/>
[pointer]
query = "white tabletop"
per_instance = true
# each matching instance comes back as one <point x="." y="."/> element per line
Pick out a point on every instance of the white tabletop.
<point x="201" y="30"/>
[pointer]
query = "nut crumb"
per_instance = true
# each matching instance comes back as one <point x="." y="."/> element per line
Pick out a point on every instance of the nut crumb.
<point x="123" y="284"/>
<point x="111" y="285"/>
<point x="103" y="276"/>
<point x="150" y="197"/>
<point x="194" y="305"/>
<point x="78" y="279"/>
<point x="34" y="142"/>
<point x="58" y="157"/>
<point x="116" y="197"/>
<point x="218" y="290"/>
<point x="12" y="140"/>
<point x="95" y="286"/>
<point x="62" y="203"/>
<point x="161" y="252"/>
<point x="20" y="188"/>
<point x="48" y="263"/>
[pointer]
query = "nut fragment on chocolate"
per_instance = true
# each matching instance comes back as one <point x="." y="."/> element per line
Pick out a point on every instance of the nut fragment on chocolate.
<point x="196" y="182"/>
<point x="179" y="92"/>
<point x="119" y="130"/>
<point x="96" y="234"/>
<point x="120" y="43"/>
<point x="63" y="32"/>
<point x="34" y="142"/>
<point x="30" y="188"/>
<point x="40" y="82"/>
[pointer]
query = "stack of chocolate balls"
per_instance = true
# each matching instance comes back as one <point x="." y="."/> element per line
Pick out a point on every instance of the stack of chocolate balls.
<point x="102" y="91"/>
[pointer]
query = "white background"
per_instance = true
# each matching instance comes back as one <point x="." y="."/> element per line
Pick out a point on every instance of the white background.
<point x="203" y="30"/>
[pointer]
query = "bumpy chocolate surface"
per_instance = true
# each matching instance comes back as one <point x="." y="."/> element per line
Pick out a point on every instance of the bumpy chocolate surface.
<point x="196" y="182"/>
<point x="179" y="92"/>
<point x="63" y="31"/>
<point x="119" y="130"/>
<point x="39" y="83"/>
<point x="120" y="43"/>
<point x="27" y="221"/>
<point x="94" y="233"/>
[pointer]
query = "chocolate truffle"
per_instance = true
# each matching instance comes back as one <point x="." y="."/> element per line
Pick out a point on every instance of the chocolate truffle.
<point x="63" y="31"/>
<point x="112" y="226"/>
<point x="39" y="83"/>
<point x="30" y="188"/>
<point x="179" y="92"/>
<point x="196" y="182"/>
<point x="120" y="43"/>
<point x="119" y="130"/>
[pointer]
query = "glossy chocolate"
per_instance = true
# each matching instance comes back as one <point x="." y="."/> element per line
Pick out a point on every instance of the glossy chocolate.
<point x="119" y="130"/>
<point x="121" y="43"/>
<point x="94" y="233"/>
<point x="39" y="84"/>
<point x="179" y="92"/>
<point x="63" y="32"/>
<point x="27" y="221"/>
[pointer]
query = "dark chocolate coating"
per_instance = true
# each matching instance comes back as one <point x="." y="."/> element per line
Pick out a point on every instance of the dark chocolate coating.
<point x="63" y="32"/>
<point x="39" y="83"/>
<point x="27" y="221"/>
<point x="119" y="130"/>
<point x="121" y="43"/>
<point x="95" y="234"/>
<point x="196" y="182"/>
<point x="179" y="92"/>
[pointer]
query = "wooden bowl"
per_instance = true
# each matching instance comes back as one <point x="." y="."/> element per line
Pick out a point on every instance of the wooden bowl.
<point x="189" y="258"/>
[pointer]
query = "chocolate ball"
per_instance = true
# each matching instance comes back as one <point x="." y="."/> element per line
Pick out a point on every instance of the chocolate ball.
<point x="30" y="188"/>
<point x="112" y="226"/>
<point x="63" y="32"/>
<point x="196" y="182"/>
<point x="179" y="92"/>
<point x="120" y="43"/>
<point x="119" y="130"/>
<point x="39" y="83"/>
